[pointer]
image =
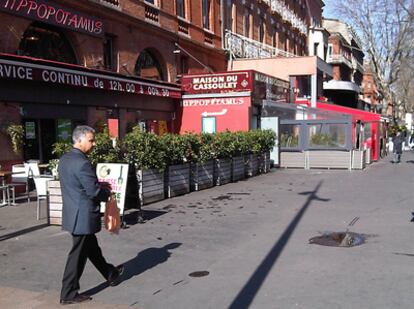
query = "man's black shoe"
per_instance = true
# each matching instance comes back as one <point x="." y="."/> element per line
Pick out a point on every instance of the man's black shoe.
<point x="115" y="274"/>
<point x="79" y="298"/>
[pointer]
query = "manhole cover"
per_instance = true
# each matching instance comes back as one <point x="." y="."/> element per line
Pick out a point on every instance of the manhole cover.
<point x="202" y="273"/>
<point x="339" y="239"/>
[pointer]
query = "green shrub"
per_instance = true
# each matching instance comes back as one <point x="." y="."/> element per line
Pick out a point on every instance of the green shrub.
<point x="60" y="148"/>
<point x="252" y="140"/>
<point x="177" y="148"/>
<point x="240" y="145"/>
<point x="223" y="145"/>
<point x="206" y="150"/>
<point x="106" y="149"/>
<point x="266" y="139"/>
<point x="144" y="150"/>
<point x="16" y="134"/>
<point x="194" y="145"/>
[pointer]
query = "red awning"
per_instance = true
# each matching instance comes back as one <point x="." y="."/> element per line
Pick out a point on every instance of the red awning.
<point x="357" y="114"/>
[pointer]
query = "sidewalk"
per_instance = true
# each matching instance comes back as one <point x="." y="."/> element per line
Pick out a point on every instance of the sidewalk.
<point x="252" y="239"/>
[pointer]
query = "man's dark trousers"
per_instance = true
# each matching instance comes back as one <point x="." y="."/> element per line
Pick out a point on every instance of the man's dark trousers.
<point x="84" y="247"/>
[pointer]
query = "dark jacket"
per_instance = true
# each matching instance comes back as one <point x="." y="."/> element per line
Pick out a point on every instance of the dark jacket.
<point x="81" y="194"/>
<point x="398" y="141"/>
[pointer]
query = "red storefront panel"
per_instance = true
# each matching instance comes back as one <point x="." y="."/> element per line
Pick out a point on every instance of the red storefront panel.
<point x="229" y="113"/>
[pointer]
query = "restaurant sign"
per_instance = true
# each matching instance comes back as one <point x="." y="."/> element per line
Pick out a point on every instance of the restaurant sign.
<point x="49" y="12"/>
<point x="17" y="70"/>
<point x="262" y="86"/>
<point x="213" y="102"/>
<point x="216" y="83"/>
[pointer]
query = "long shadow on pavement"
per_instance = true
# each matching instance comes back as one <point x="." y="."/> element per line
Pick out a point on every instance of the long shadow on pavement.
<point x="23" y="231"/>
<point x="145" y="260"/>
<point x="248" y="292"/>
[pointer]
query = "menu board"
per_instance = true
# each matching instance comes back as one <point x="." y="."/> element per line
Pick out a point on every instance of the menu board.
<point x="116" y="174"/>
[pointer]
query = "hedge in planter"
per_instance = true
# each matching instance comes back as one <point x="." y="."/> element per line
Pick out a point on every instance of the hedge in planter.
<point x="258" y="158"/>
<point x="223" y="152"/>
<point x="202" y="165"/>
<point x="178" y="152"/>
<point x="267" y="140"/>
<point x="252" y="156"/>
<point x="239" y="148"/>
<point x="145" y="152"/>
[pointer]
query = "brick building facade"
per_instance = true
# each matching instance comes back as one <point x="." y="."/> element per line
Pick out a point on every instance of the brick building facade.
<point x="87" y="61"/>
<point x="346" y="57"/>
<point x="266" y="28"/>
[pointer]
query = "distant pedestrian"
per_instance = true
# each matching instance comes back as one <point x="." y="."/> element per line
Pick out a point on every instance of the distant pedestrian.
<point x="82" y="194"/>
<point x="397" y="149"/>
<point x="411" y="142"/>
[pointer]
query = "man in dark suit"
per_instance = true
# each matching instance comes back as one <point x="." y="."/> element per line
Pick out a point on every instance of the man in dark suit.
<point x="82" y="194"/>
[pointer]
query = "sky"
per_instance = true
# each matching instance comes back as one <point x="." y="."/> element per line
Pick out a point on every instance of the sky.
<point x="328" y="10"/>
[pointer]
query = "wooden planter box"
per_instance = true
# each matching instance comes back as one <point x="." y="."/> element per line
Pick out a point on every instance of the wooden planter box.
<point x="177" y="179"/>
<point x="358" y="159"/>
<point x="293" y="159"/>
<point x="150" y="186"/>
<point x="54" y="202"/>
<point x="334" y="159"/>
<point x="252" y="165"/>
<point x="222" y="171"/>
<point x="238" y="168"/>
<point x="264" y="162"/>
<point x="202" y="175"/>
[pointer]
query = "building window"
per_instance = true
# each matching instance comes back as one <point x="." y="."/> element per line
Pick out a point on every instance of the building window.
<point x="234" y="17"/>
<point x="184" y="65"/>
<point x="180" y="8"/>
<point x="46" y="42"/>
<point x="229" y="15"/>
<point x="246" y="22"/>
<point x="206" y="14"/>
<point x="274" y="38"/>
<point x="330" y="48"/>
<point x="108" y="52"/>
<point x="315" y="49"/>
<point x="148" y="66"/>
<point x="262" y="30"/>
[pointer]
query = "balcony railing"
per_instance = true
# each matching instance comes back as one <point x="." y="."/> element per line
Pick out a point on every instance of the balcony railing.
<point x="243" y="47"/>
<point x="208" y="37"/>
<point x="183" y="26"/>
<point x="152" y="13"/>
<point x="338" y="58"/>
<point x="356" y="65"/>
<point x="288" y="15"/>
<point x="110" y="3"/>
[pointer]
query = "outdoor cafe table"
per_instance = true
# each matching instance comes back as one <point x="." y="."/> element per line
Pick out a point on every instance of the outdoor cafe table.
<point x="3" y="177"/>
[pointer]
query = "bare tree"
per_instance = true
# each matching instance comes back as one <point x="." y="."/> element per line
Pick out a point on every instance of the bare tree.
<point x="386" y="30"/>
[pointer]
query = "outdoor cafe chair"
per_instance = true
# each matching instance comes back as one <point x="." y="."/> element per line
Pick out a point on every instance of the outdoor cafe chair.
<point x="23" y="175"/>
<point x="19" y="178"/>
